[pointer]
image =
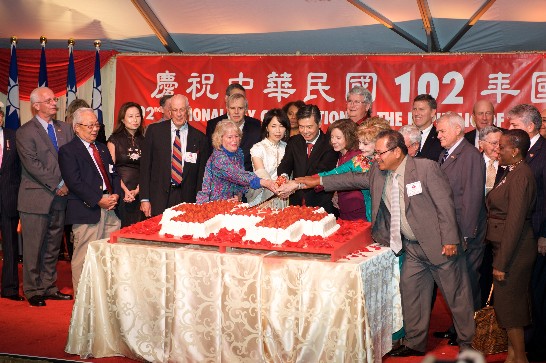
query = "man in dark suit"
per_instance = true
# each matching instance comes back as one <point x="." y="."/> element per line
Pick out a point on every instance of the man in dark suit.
<point x="236" y="111"/>
<point x="489" y="143"/>
<point x="42" y="197"/>
<point x="528" y="118"/>
<point x="308" y="153"/>
<point x="413" y="210"/>
<point x="87" y="169"/>
<point x="173" y="161"/>
<point x="10" y="178"/>
<point x="483" y="114"/>
<point x="423" y="114"/>
<point x="465" y="169"/>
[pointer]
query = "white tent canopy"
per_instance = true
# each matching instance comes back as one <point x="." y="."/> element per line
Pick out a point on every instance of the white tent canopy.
<point x="280" y="26"/>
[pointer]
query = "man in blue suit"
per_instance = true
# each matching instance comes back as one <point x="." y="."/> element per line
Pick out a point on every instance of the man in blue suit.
<point x="88" y="171"/>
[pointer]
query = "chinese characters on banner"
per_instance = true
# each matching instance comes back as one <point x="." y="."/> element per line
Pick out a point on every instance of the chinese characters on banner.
<point x="456" y="81"/>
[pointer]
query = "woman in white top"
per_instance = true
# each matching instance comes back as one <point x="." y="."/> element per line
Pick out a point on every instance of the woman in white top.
<point x="268" y="153"/>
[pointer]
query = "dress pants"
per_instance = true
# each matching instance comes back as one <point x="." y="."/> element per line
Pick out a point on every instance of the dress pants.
<point x="416" y="286"/>
<point x="10" y="248"/>
<point x="85" y="233"/>
<point x="42" y="236"/>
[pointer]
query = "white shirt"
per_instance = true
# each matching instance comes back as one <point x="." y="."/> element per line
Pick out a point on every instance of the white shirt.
<point x="424" y="135"/>
<point x="451" y="149"/>
<point x="90" y="151"/>
<point x="534" y="139"/>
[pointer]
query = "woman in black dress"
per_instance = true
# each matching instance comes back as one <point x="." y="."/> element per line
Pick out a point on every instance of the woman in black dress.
<point x="125" y="146"/>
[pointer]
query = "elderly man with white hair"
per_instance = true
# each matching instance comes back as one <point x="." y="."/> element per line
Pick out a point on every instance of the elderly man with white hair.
<point x="412" y="138"/>
<point x="465" y="169"/>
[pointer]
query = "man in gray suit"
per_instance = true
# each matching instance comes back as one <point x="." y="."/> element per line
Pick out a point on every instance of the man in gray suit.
<point x="465" y="169"/>
<point x="421" y="220"/>
<point x="42" y="197"/>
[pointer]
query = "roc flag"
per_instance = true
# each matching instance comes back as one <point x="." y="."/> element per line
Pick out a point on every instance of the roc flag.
<point x="96" y="102"/>
<point x="12" y="108"/>
<point x="71" y="87"/>
<point x="42" y="77"/>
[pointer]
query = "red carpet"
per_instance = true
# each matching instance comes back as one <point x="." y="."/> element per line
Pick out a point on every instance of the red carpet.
<point x="43" y="331"/>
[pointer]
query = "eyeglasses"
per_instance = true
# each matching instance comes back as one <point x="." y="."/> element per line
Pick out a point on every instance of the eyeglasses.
<point x="496" y="143"/>
<point x="377" y="153"/>
<point x="92" y="126"/>
<point x="488" y="114"/>
<point x="353" y="102"/>
<point x="49" y="100"/>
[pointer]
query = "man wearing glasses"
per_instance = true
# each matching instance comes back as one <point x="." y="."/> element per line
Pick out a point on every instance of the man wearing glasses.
<point x="406" y="192"/>
<point x="42" y="197"/>
<point x="173" y="161"/>
<point x="359" y="104"/>
<point x="95" y="187"/>
<point x="483" y="114"/>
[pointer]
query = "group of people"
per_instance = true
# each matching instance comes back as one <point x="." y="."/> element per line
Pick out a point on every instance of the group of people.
<point x="461" y="211"/>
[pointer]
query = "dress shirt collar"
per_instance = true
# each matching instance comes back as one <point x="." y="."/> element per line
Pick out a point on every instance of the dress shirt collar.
<point x="182" y="128"/>
<point x="314" y="140"/>
<point x="534" y="139"/>
<point x="44" y="123"/>
<point x="424" y="135"/>
<point x="451" y="149"/>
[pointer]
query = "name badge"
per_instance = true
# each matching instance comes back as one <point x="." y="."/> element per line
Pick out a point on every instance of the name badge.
<point x="190" y="157"/>
<point x="414" y="188"/>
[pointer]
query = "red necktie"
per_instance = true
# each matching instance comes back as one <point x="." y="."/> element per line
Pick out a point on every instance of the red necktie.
<point x="102" y="170"/>
<point x="176" y="160"/>
<point x="309" y="148"/>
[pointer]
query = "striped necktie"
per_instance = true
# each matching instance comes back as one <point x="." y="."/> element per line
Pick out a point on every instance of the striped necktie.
<point x="444" y="158"/>
<point x="176" y="160"/>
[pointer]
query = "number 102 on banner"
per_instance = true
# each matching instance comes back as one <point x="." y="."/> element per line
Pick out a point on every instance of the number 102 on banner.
<point x="430" y="83"/>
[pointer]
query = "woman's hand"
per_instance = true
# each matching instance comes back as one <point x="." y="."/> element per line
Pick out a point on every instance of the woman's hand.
<point x="498" y="275"/>
<point x="269" y="184"/>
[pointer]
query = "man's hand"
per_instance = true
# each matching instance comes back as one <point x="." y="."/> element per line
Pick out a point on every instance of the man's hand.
<point x="498" y="275"/>
<point x="309" y="181"/>
<point x="62" y="191"/>
<point x="108" y="202"/>
<point x="287" y="188"/>
<point x="449" y="250"/>
<point x="542" y="246"/>
<point x="146" y="208"/>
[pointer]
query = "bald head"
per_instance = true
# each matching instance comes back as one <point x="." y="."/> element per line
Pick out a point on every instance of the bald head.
<point x="180" y="110"/>
<point x="483" y="114"/>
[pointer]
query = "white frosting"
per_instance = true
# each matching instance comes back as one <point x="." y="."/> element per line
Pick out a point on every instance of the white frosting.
<point x="234" y="222"/>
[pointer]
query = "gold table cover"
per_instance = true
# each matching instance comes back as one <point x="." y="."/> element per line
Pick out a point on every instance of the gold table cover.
<point x="180" y="303"/>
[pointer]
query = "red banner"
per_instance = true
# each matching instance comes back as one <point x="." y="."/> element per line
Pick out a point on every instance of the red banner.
<point x="456" y="81"/>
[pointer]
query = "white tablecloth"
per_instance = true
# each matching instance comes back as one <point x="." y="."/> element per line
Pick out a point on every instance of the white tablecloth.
<point x="178" y="303"/>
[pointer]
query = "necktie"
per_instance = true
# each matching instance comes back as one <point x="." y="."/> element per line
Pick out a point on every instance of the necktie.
<point x="176" y="160"/>
<point x="102" y="170"/>
<point x="490" y="175"/>
<point x="51" y="135"/>
<point x="309" y="148"/>
<point x="396" y="238"/>
<point x="444" y="158"/>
